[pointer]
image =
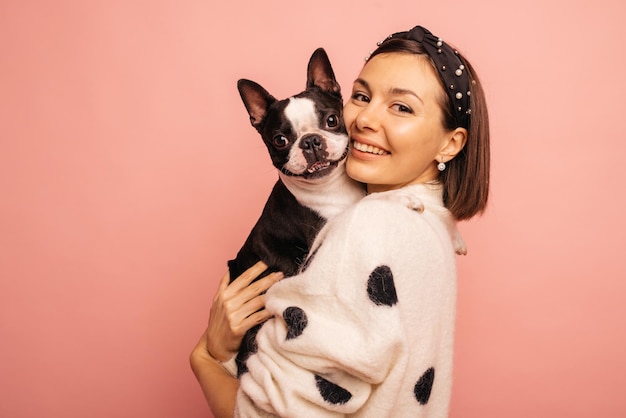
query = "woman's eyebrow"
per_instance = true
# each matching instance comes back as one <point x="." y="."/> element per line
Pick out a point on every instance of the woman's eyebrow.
<point x="362" y="82"/>
<point x="399" y="91"/>
<point x="393" y="91"/>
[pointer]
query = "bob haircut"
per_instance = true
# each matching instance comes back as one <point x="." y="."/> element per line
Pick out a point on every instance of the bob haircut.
<point x="466" y="177"/>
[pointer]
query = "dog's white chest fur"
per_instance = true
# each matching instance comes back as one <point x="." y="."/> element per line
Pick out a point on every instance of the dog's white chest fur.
<point x="328" y="196"/>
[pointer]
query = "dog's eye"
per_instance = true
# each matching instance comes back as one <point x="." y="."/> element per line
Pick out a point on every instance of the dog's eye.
<point x="280" y="141"/>
<point x="332" y="121"/>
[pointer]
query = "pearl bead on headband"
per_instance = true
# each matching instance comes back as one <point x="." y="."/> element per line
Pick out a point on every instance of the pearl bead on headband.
<point x="450" y="68"/>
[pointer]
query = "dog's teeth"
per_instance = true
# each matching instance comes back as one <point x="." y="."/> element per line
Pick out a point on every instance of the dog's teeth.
<point x="318" y="166"/>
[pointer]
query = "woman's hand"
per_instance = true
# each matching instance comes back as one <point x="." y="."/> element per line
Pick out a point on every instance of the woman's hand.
<point x="236" y="308"/>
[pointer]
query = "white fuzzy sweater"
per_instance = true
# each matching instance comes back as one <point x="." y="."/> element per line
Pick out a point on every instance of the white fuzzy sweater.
<point x="366" y="329"/>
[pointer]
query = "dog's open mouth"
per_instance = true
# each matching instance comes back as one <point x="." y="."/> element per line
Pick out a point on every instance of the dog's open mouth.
<point x="319" y="169"/>
<point x="318" y="166"/>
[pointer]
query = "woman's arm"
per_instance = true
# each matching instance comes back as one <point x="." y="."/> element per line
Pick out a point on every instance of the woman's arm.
<point x="217" y="384"/>
<point x="236" y="308"/>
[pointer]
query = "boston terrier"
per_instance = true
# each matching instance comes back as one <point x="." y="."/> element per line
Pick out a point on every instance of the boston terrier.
<point x="307" y="141"/>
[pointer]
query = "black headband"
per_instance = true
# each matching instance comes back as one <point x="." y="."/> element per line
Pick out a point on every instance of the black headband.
<point x="450" y="68"/>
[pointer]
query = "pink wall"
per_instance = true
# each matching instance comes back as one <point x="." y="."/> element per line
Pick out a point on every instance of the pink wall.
<point x="129" y="175"/>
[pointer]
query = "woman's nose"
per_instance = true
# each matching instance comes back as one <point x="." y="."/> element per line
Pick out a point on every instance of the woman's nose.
<point x="367" y="118"/>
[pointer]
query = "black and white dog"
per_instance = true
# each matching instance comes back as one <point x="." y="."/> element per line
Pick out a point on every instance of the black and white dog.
<point x="308" y="143"/>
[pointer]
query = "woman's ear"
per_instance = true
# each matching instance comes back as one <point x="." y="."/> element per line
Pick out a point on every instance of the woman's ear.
<point x="455" y="142"/>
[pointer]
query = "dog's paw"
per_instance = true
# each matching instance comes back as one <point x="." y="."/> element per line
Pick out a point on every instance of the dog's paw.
<point x="457" y="241"/>
<point x="405" y="199"/>
<point x="414" y="204"/>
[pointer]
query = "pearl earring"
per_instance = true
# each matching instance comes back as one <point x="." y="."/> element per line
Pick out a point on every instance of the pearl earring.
<point x="441" y="166"/>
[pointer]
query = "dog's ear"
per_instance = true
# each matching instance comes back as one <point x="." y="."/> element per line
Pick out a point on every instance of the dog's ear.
<point x="320" y="73"/>
<point x="256" y="99"/>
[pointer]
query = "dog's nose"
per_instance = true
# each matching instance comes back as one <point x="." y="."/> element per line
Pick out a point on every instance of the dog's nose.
<point x="311" y="142"/>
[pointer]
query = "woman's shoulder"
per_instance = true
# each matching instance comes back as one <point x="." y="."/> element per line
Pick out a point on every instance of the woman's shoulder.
<point x="417" y="198"/>
<point x="397" y="209"/>
<point x="413" y="213"/>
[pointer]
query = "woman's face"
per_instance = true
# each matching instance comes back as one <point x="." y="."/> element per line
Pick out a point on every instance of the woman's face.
<point x="395" y="122"/>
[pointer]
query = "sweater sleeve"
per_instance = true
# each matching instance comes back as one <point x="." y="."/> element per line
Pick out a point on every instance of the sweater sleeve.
<point x="346" y="322"/>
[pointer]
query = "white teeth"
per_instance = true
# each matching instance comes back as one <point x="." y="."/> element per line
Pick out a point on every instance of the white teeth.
<point x="318" y="166"/>
<point x="368" y="148"/>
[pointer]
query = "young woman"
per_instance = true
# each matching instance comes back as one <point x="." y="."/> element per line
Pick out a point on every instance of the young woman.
<point x="366" y="328"/>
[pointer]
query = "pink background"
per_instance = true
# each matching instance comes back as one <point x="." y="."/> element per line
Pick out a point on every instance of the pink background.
<point x="129" y="175"/>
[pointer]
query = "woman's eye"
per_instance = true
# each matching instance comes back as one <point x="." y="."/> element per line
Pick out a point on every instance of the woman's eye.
<point x="360" y="97"/>
<point x="332" y="121"/>
<point x="403" y="108"/>
<point x="280" y="141"/>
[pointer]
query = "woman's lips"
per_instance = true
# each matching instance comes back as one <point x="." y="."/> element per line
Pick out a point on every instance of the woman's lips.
<point x="367" y="148"/>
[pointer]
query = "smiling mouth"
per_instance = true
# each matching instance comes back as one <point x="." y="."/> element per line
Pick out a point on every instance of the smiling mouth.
<point x="370" y="149"/>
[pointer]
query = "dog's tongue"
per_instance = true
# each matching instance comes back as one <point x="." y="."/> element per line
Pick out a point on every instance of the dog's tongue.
<point x="317" y="166"/>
